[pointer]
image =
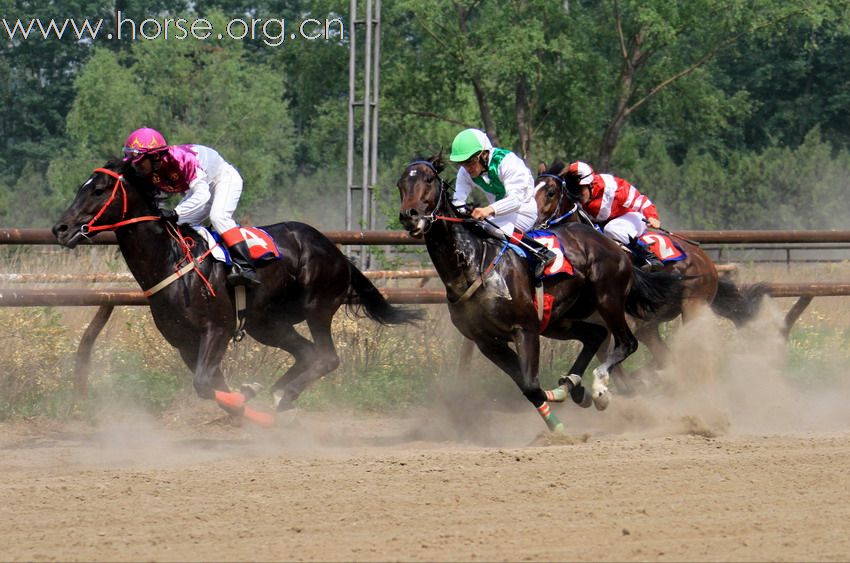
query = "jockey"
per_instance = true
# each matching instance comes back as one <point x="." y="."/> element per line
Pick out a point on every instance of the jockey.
<point x="509" y="187"/>
<point x="211" y="188"/>
<point x="616" y="205"/>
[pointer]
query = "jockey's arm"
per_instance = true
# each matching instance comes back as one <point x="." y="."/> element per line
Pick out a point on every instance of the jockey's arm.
<point x="463" y="185"/>
<point x="192" y="208"/>
<point x="518" y="182"/>
<point x="651" y="214"/>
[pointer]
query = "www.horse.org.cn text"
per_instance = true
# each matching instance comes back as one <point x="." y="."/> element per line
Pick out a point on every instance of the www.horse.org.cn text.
<point x="272" y="32"/>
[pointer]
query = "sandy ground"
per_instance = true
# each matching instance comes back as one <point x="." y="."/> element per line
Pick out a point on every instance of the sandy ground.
<point x="724" y="459"/>
<point x="359" y="488"/>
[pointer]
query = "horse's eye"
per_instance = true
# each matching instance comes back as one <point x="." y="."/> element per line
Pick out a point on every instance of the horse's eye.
<point x="98" y="191"/>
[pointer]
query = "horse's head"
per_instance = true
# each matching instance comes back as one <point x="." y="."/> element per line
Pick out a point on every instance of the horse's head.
<point x="553" y="194"/>
<point x="422" y="193"/>
<point x="107" y="200"/>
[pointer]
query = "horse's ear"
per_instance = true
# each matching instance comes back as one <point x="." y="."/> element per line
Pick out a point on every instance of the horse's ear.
<point x="541" y="168"/>
<point x="437" y="161"/>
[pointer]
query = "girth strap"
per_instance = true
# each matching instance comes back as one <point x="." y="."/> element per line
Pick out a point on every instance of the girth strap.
<point x="241" y="312"/>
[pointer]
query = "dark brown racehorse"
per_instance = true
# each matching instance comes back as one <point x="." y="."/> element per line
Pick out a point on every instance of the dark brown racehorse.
<point x="557" y="198"/>
<point x="196" y="313"/>
<point x="491" y="295"/>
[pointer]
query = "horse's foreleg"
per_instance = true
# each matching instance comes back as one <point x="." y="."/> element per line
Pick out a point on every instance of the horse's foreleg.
<point x="522" y="367"/>
<point x="284" y="336"/>
<point x="207" y="377"/>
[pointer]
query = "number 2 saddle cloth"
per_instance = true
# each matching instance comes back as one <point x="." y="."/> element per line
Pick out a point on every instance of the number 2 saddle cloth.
<point x="663" y="246"/>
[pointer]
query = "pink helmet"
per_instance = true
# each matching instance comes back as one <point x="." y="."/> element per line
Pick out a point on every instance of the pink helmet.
<point x="143" y="141"/>
<point x="583" y="171"/>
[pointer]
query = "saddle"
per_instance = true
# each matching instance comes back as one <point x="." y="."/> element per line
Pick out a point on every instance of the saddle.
<point x="261" y="246"/>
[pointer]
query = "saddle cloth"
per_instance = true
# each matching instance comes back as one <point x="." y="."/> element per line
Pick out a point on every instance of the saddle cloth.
<point x="663" y="246"/>
<point x="261" y="246"/>
<point x="561" y="264"/>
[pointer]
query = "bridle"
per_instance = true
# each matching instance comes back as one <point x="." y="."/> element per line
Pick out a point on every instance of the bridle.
<point x="89" y="227"/>
<point x="552" y="220"/>
<point x="444" y="190"/>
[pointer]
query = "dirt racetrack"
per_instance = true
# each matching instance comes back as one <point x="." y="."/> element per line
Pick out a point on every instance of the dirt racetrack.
<point x="725" y="458"/>
<point x="368" y="489"/>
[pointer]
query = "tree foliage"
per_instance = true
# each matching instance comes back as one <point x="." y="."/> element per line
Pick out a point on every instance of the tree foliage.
<point x="728" y="113"/>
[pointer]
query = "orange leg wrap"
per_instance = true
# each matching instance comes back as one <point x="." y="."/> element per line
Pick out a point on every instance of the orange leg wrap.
<point x="259" y="418"/>
<point x="230" y="400"/>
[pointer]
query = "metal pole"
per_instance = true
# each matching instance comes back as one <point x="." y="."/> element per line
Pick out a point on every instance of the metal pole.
<point x="351" y="101"/>
<point x="367" y="89"/>
<point x="375" y="97"/>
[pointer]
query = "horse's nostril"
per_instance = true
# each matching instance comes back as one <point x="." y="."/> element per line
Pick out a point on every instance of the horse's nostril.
<point x="412" y="213"/>
<point x="59" y="229"/>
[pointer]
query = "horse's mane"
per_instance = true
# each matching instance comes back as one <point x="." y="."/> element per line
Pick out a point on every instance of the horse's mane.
<point x="557" y="168"/>
<point x="123" y="167"/>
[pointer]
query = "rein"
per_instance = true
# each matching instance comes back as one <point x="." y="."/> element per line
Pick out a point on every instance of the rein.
<point x="172" y="230"/>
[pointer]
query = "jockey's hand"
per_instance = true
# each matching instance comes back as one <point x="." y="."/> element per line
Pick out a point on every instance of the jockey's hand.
<point x="653" y="222"/>
<point x="482" y="212"/>
<point x="168" y="215"/>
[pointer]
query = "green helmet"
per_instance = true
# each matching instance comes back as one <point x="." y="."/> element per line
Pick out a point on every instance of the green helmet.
<point x="468" y="143"/>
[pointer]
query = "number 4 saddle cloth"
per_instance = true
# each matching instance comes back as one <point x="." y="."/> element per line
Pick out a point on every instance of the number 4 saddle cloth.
<point x="261" y="246"/>
<point x="663" y="246"/>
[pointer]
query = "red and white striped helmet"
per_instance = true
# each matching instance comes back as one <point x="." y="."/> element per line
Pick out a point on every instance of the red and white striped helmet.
<point x="583" y="171"/>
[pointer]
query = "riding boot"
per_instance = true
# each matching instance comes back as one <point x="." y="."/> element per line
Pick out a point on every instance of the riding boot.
<point x="542" y="255"/>
<point x="242" y="271"/>
<point x="644" y="258"/>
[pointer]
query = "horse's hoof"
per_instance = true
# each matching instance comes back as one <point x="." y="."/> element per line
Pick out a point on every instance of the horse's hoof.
<point x="286" y="418"/>
<point x="251" y="390"/>
<point x="601" y="400"/>
<point x="581" y="397"/>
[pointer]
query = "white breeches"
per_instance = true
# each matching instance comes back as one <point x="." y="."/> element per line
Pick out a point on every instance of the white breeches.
<point x="522" y="219"/>
<point x="625" y="227"/>
<point x="226" y="189"/>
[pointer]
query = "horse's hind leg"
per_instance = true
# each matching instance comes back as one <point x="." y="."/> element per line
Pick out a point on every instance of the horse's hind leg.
<point x="591" y="337"/>
<point x="625" y="343"/>
<point x="324" y="359"/>
<point x="522" y="367"/>
<point x="284" y="336"/>
<point x="313" y="359"/>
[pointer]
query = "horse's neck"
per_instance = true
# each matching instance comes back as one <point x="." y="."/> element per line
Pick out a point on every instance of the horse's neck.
<point x="148" y="251"/>
<point x="456" y="254"/>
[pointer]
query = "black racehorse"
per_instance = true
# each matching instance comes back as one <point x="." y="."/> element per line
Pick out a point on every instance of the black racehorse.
<point x="491" y="297"/>
<point x="557" y="197"/>
<point x="196" y="312"/>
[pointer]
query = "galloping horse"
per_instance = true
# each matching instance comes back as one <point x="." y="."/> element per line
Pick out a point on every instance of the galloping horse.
<point x="557" y="204"/>
<point x="196" y="313"/>
<point x="491" y="296"/>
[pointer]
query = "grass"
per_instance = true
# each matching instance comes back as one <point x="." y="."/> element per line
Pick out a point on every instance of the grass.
<point x="386" y="369"/>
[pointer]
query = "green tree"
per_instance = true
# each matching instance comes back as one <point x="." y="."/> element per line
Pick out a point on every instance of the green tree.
<point x="205" y="92"/>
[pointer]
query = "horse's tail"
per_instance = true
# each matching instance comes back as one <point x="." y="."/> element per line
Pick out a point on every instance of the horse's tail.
<point x="738" y="304"/>
<point x="364" y="294"/>
<point x="652" y="290"/>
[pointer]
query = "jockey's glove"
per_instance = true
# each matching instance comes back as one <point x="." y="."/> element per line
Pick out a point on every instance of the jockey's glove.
<point x="169" y="215"/>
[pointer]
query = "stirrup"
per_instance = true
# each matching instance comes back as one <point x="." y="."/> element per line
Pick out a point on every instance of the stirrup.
<point x="242" y="276"/>
<point x="542" y="260"/>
